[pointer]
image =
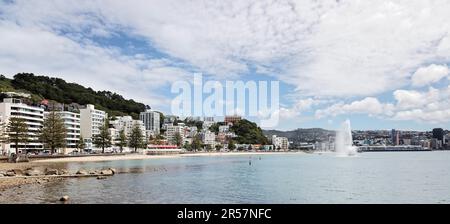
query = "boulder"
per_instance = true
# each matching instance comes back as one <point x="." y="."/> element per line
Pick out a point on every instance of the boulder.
<point x="63" y="172"/>
<point x="82" y="172"/>
<point x="18" y="172"/>
<point x="2" y="175"/>
<point x="32" y="172"/>
<point x="113" y="170"/>
<point x="50" y="171"/>
<point x="10" y="173"/>
<point x="64" y="198"/>
<point x="106" y="172"/>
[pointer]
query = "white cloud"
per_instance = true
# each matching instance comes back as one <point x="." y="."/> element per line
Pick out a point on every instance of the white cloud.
<point x="430" y="74"/>
<point x="369" y="105"/>
<point x="324" y="48"/>
<point x="432" y="106"/>
<point x="407" y="99"/>
<point x="29" y="49"/>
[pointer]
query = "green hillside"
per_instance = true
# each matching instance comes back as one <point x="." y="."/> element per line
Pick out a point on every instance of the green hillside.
<point x="43" y="87"/>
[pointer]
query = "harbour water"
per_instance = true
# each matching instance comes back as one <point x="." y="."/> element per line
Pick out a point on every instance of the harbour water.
<point x="393" y="177"/>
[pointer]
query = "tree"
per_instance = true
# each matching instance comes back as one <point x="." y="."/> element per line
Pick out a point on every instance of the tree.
<point x="122" y="140"/>
<point x="17" y="132"/>
<point x="178" y="140"/>
<point x="208" y="147"/>
<point x="81" y="145"/>
<point x="136" y="139"/>
<point x="103" y="140"/>
<point x="196" y="143"/>
<point x="219" y="147"/>
<point x="250" y="148"/>
<point x="53" y="132"/>
<point x="187" y="146"/>
<point x="64" y="92"/>
<point x="231" y="145"/>
<point x="249" y="133"/>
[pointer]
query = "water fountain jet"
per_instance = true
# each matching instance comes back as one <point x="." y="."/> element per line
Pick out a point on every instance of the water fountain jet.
<point x="344" y="141"/>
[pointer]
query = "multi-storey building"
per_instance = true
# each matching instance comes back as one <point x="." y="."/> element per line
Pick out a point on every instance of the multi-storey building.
<point x="209" y="138"/>
<point x="91" y="122"/>
<point x="232" y="119"/>
<point x="224" y="128"/>
<point x="34" y="118"/>
<point x="151" y="121"/>
<point x="172" y="130"/>
<point x="126" y="124"/>
<point x="280" y="143"/>
<point x="73" y="129"/>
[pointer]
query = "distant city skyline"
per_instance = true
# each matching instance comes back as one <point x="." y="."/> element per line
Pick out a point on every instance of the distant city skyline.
<point x="383" y="65"/>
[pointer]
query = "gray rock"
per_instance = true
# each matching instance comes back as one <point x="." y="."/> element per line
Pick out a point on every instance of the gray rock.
<point x="113" y="170"/>
<point x="10" y="174"/>
<point x="2" y="175"/>
<point x="50" y="171"/>
<point x="64" y="198"/>
<point x="32" y="172"/>
<point x="18" y="172"/>
<point x="63" y="172"/>
<point x="82" y="172"/>
<point x="93" y="172"/>
<point x="106" y="172"/>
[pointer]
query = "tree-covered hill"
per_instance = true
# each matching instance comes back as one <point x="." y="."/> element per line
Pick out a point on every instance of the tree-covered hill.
<point x="248" y="133"/>
<point x="61" y="91"/>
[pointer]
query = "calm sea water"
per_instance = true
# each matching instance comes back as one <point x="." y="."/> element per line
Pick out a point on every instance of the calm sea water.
<point x="394" y="177"/>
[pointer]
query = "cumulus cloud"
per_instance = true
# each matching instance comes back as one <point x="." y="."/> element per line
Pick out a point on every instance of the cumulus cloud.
<point x="407" y="99"/>
<point x="432" y="106"/>
<point x="325" y="49"/>
<point x="430" y="74"/>
<point x="368" y="105"/>
<point x="40" y="50"/>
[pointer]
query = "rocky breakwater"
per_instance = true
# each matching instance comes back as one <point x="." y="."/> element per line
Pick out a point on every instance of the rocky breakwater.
<point x="18" y="177"/>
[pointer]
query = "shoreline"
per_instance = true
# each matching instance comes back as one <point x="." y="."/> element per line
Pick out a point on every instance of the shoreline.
<point x="148" y="157"/>
<point x="11" y="182"/>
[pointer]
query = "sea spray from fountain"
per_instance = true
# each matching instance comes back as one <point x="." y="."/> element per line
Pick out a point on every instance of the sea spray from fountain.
<point x="344" y="141"/>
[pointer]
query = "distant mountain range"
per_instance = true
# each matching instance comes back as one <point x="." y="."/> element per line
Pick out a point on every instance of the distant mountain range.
<point x="297" y="136"/>
<point x="56" y="89"/>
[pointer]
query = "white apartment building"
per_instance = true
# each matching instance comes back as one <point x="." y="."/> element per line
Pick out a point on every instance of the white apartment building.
<point x="34" y="118"/>
<point x="224" y="128"/>
<point x="171" y="131"/>
<point x="91" y="122"/>
<point x="151" y="121"/>
<point x="209" y="138"/>
<point x="73" y="129"/>
<point x="192" y="132"/>
<point x="207" y="124"/>
<point x="280" y="143"/>
<point x="127" y="124"/>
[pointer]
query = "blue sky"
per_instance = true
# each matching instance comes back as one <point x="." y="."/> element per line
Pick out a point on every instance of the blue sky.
<point x="381" y="64"/>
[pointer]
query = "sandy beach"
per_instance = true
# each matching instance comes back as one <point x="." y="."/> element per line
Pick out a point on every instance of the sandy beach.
<point x="145" y="157"/>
